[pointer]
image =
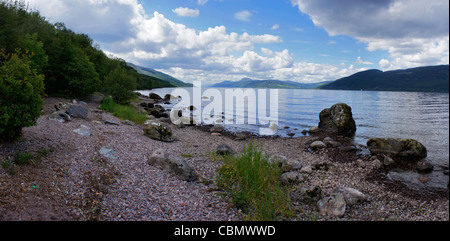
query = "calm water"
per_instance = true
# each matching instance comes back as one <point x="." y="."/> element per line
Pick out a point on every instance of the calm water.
<point x="420" y="116"/>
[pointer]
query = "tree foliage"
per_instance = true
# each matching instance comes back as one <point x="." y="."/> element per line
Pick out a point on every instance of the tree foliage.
<point x="120" y="85"/>
<point x="73" y="65"/>
<point x="21" y="91"/>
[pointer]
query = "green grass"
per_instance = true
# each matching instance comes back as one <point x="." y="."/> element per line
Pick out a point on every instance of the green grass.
<point x="11" y="165"/>
<point x="254" y="185"/>
<point x="187" y="155"/>
<point x="124" y="112"/>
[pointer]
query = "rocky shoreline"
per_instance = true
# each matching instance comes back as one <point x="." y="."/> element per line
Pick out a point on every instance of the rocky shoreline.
<point x="96" y="167"/>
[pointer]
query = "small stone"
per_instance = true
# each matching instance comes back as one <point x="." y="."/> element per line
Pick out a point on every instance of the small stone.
<point x="423" y="179"/>
<point x="322" y="165"/>
<point x="224" y="149"/>
<point x="290" y="165"/>
<point x="308" y="194"/>
<point x="111" y="122"/>
<point x="424" y="167"/>
<point x="128" y="122"/>
<point x="216" y="129"/>
<point x="351" y="195"/>
<point x="388" y="161"/>
<point x="332" y="205"/>
<point x="360" y="163"/>
<point x="348" y="148"/>
<point x="83" y="130"/>
<point x="377" y="163"/>
<point x="107" y="152"/>
<point x="314" y="129"/>
<point x="177" y="167"/>
<point x="306" y="169"/>
<point x="291" y="177"/>
<point x="277" y="160"/>
<point x="317" y="145"/>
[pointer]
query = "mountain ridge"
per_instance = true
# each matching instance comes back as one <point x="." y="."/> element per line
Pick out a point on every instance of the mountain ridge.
<point x="270" y="84"/>
<point x="419" y="79"/>
<point x="159" y="75"/>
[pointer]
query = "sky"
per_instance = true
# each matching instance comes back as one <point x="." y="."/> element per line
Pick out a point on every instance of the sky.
<point x="305" y="41"/>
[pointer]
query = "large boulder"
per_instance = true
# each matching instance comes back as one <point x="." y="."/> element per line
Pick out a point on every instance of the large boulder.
<point x="177" y="167"/>
<point x="338" y="119"/>
<point x="154" y="96"/>
<point x="395" y="147"/>
<point x="158" y="131"/>
<point x="77" y="111"/>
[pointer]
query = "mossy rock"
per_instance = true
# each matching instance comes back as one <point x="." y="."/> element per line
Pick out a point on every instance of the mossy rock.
<point x="338" y="119"/>
<point x="396" y="147"/>
<point x="158" y="131"/>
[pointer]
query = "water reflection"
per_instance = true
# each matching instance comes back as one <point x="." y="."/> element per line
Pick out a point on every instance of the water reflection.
<point x="420" y="116"/>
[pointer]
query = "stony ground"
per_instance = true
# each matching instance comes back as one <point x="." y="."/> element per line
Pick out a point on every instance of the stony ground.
<point x="72" y="181"/>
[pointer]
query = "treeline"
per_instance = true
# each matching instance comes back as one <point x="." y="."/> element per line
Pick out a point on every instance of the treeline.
<point x="73" y="65"/>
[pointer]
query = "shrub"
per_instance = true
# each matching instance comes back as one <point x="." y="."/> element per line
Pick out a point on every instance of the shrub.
<point x="120" y="85"/>
<point x="21" y="90"/>
<point x="254" y="185"/>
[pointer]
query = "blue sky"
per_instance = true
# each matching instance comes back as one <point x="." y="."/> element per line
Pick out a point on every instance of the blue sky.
<point x="299" y="40"/>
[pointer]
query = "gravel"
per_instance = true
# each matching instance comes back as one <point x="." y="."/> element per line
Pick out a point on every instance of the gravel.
<point x="75" y="182"/>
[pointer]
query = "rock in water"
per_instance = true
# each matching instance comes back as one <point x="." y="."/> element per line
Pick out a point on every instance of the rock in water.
<point x="216" y="128"/>
<point x="176" y="167"/>
<point x="154" y="96"/>
<point x="338" y="119"/>
<point x="397" y="147"/>
<point x="158" y="131"/>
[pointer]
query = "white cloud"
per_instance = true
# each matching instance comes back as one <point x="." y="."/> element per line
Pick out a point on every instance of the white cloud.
<point x="275" y="27"/>
<point x="414" y="32"/>
<point x="202" y="2"/>
<point x="360" y="61"/>
<point x="186" y="12"/>
<point x="243" y="16"/>
<point x="125" y="30"/>
<point x="100" y="19"/>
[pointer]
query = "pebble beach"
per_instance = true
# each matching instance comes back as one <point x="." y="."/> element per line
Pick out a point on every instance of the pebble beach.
<point x="73" y="181"/>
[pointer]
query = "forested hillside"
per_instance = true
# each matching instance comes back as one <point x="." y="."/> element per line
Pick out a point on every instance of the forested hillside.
<point x="73" y="65"/>
<point x="421" y="79"/>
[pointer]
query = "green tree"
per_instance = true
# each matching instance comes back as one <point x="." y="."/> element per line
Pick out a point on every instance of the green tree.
<point x="69" y="72"/>
<point x="21" y="91"/>
<point x="39" y="58"/>
<point x="120" y="85"/>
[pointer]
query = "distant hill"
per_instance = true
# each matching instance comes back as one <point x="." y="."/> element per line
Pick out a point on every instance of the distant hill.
<point x="159" y="75"/>
<point x="421" y="79"/>
<point x="266" y="84"/>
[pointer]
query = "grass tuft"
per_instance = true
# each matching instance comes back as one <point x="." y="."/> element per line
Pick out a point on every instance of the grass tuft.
<point x="124" y="112"/>
<point x="254" y="185"/>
